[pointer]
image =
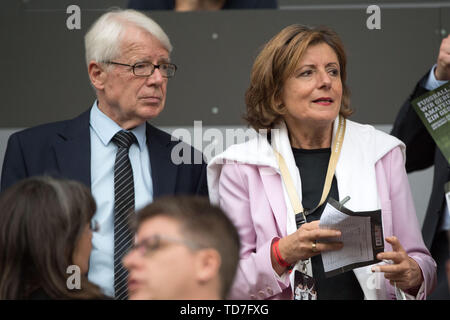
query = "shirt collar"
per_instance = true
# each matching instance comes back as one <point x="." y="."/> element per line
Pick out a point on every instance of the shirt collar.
<point x="106" y="128"/>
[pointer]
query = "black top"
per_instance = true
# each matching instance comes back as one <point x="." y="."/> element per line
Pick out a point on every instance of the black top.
<point x="313" y="166"/>
<point x="229" y="4"/>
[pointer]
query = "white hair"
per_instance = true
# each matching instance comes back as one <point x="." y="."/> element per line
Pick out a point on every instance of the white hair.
<point x="102" y="41"/>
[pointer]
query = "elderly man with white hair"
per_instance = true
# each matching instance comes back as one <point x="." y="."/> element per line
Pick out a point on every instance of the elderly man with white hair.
<point x="111" y="148"/>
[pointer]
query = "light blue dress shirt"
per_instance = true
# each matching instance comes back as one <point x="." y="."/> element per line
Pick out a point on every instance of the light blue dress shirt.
<point x="103" y="155"/>
<point x="430" y="84"/>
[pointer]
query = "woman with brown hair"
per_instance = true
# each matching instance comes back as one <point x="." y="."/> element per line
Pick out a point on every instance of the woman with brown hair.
<point x="276" y="186"/>
<point x="45" y="228"/>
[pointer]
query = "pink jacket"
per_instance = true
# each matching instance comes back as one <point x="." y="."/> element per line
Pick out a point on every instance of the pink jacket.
<point x="255" y="203"/>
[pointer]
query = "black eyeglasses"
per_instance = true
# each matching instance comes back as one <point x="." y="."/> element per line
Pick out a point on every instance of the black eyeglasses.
<point x="153" y="243"/>
<point x="145" y="69"/>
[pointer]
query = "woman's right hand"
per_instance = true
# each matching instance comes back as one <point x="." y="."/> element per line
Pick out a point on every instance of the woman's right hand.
<point x="300" y="244"/>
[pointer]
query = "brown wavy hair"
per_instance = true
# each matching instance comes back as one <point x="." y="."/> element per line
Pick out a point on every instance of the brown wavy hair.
<point x="277" y="61"/>
<point x="41" y="221"/>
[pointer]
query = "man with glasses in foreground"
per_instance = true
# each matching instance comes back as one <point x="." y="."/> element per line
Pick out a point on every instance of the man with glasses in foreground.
<point x="111" y="148"/>
<point x="185" y="249"/>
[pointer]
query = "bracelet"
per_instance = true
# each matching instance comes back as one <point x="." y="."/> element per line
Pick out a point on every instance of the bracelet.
<point x="277" y="254"/>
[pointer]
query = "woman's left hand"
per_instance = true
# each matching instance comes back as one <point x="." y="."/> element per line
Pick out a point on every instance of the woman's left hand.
<point x="404" y="271"/>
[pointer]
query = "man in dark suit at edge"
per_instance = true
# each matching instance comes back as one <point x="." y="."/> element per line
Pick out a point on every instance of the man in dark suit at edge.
<point x="128" y="60"/>
<point x="422" y="152"/>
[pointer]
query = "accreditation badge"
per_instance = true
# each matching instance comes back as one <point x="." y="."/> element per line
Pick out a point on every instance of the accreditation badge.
<point x="304" y="287"/>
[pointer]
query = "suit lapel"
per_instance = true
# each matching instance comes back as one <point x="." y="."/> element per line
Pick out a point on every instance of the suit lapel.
<point x="274" y="193"/>
<point x="164" y="171"/>
<point x="73" y="150"/>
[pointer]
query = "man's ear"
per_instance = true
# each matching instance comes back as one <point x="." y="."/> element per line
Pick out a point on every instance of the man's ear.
<point x="208" y="263"/>
<point x="97" y="75"/>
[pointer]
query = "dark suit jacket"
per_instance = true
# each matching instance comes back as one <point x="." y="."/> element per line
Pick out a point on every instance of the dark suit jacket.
<point x="63" y="149"/>
<point x="421" y="153"/>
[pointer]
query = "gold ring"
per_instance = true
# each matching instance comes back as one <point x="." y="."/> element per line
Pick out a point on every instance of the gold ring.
<point x="314" y="246"/>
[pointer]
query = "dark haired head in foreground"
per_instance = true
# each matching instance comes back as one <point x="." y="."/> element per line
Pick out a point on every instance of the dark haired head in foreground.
<point x="185" y="248"/>
<point x="45" y="238"/>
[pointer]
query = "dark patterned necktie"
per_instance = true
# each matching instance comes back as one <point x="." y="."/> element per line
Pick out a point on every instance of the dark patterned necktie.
<point x="123" y="208"/>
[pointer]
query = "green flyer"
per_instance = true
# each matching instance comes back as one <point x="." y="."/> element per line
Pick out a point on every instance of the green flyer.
<point x="433" y="109"/>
